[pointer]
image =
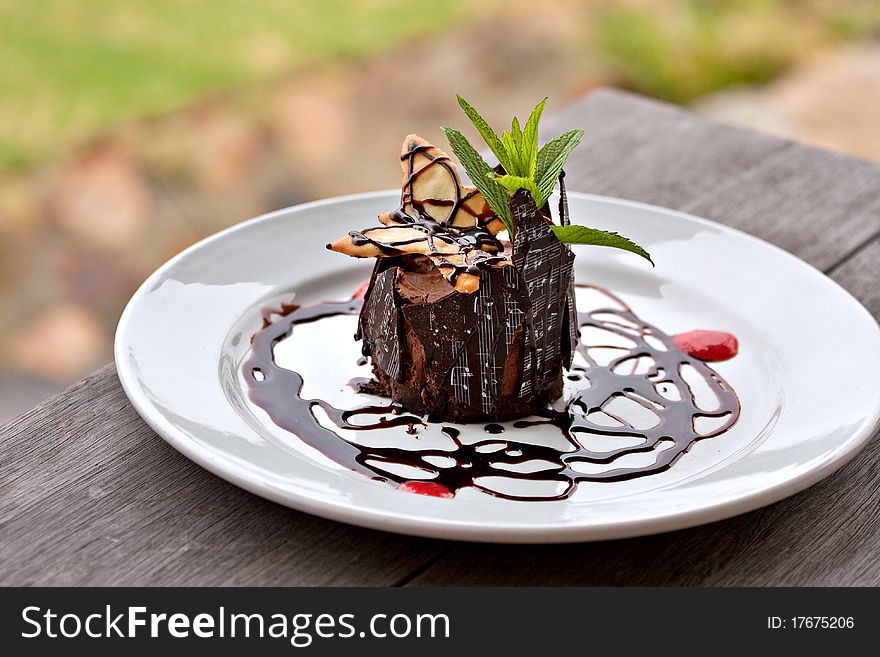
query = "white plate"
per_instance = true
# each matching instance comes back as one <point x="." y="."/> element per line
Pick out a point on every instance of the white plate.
<point x="806" y="372"/>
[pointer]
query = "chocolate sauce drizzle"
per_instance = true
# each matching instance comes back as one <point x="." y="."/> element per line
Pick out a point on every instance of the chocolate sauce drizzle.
<point x="477" y="245"/>
<point x="278" y="391"/>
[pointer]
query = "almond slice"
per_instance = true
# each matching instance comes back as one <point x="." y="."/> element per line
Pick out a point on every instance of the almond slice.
<point x="392" y="241"/>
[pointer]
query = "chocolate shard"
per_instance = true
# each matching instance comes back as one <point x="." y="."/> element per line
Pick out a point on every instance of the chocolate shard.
<point x="545" y="265"/>
<point x="493" y="354"/>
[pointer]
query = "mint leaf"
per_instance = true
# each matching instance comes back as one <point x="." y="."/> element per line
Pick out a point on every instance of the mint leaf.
<point x="486" y="132"/>
<point x="551" y="159"/>
<point x="530" y="139"/>
<point x="584" y="235"/>
<point x="509" y="142"/>
<point x="513" y="143"/>
<point x="481" y="175"/>
<point x="516" y="131"/>
<point x="513" y="183"/>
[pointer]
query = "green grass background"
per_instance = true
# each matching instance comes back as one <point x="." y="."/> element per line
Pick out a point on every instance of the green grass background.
<point x="68" y="68"/>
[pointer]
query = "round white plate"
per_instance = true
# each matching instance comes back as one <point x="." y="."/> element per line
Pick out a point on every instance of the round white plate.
<point x="806" y="373"/>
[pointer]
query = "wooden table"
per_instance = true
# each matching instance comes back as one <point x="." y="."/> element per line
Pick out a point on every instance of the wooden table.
<point x="92" y="496"/>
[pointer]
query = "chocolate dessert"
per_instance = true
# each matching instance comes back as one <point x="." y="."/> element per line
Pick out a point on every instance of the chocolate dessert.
<point x="470" y="313"/>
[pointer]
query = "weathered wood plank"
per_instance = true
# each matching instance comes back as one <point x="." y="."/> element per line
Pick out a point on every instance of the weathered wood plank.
<point x="860" y="274"/>
<point x="90" y="495"/>
<point x="817" y="204"/>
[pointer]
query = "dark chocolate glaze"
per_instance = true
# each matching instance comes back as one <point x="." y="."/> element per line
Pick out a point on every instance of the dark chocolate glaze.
<point x="277" y="391"/>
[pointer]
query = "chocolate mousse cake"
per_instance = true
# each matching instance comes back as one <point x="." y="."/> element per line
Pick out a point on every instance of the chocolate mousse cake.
<point x="470" y="312"/>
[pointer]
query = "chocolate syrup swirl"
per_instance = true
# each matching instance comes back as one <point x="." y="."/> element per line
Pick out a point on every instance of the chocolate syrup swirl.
<point x="649" y="372"/>
<point x="477" y="246"/>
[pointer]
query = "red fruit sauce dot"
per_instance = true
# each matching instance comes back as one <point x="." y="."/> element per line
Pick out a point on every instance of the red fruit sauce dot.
<point x="425" y="488"/>
<point x="361" y="292"/>
<point x="711" y="346"/>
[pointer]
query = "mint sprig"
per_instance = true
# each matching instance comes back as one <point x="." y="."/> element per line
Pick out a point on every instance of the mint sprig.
<point x="528" y="167"/>
<point x="525" y="165"/>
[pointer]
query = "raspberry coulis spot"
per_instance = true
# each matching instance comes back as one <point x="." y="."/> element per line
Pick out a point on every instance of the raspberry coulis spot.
<point x="425" y="488"/>
<point x="361" y="292"/>
<point x="713" y="346"/>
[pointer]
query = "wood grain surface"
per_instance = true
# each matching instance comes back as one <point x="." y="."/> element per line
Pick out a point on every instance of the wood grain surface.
<point x="89" y="495"/>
